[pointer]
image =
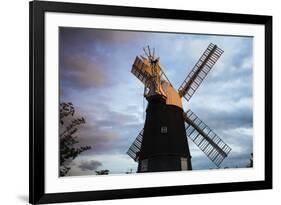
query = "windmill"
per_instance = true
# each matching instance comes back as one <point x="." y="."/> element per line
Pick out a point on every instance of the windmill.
<point x="162" y="144"/>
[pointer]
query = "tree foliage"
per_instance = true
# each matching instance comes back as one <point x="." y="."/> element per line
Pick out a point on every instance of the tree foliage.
<point x="251" y="162"/>
<point x="67" y="137"/>
<point x="103" y="172"/>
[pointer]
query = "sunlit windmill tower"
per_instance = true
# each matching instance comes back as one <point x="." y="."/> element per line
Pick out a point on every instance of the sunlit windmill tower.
<point x="162" y="144"/>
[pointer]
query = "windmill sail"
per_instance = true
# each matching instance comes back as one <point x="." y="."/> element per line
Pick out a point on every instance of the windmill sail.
<point x="215" y="149"/>
<point x="135" y="147"/>
<point x="200" y="71"/>
<point x="142" y="70"/>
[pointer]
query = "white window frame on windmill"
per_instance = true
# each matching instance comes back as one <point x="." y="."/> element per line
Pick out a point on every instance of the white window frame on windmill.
<point x="146" y="91"/>
<point x="144" y="165"/>
<point x="184" y="165"/>
<point x="164" y="129"/>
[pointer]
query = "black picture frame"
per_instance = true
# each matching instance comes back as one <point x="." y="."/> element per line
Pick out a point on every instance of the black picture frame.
<point x="37" y="9"/>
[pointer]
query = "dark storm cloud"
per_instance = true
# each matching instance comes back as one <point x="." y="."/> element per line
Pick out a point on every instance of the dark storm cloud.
<point x="227" y="120"/>
<point x="113" y="118"/>
<point x="88" y="57"/>
<point x="230" y="72"/>
<point x="79" y="37"/>
<point x="81" y="71"/>
<point x="89" y="165"/>
<point x="100" y="140"/>
<point x="108" y="140"/>
<point x="234" y="90"/>
<point x="108" y="132"/>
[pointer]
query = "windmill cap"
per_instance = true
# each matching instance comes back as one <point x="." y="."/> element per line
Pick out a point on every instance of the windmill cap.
<point x="173" y="97"/>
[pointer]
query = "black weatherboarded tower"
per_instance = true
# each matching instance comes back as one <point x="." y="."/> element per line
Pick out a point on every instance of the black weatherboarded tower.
<point x="162" y="144"/>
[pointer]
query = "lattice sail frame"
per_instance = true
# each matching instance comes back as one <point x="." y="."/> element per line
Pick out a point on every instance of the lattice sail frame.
<point x="206" y="139"/>
<point x="142" y="70"/>
<point x="135" y="147"/>
<point x="200" y="71"/>
<point x="214" y="148"/>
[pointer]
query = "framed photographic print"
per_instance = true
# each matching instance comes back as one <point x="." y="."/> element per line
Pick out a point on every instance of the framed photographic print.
<point x="140" y="102"/>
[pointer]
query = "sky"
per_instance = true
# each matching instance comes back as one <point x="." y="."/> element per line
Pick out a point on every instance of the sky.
<point x="95" y="76"/>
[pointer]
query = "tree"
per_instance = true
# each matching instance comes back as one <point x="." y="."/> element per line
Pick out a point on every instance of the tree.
<point x="103" y="172"/>
<point x="251" y="161"/>
<point x="69" y="126"/>
<point x="129" y="172"/>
